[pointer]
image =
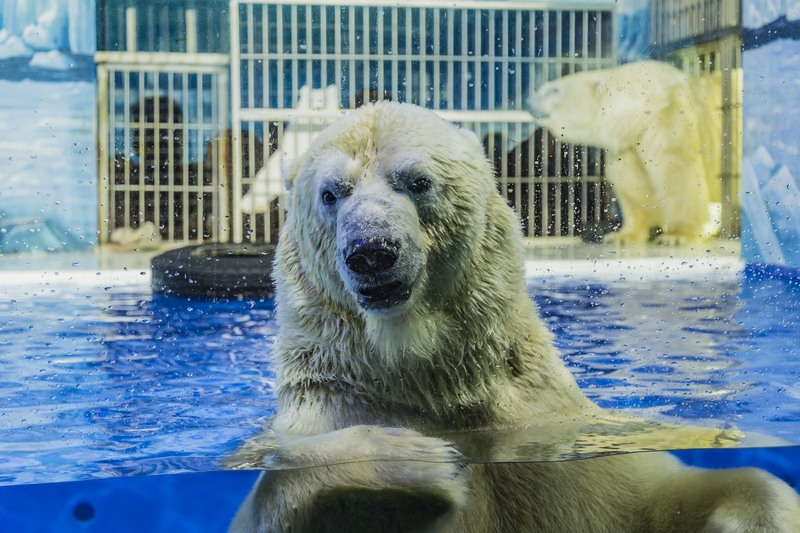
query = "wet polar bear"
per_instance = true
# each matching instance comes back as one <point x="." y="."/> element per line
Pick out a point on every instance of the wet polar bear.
<point x="403" y="316"/>
<point x="662" y="133"/>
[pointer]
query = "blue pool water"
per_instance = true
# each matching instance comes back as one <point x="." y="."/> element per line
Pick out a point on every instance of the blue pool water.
<point x="117" y="405"/>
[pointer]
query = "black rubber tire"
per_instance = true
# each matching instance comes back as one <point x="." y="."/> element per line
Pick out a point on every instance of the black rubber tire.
<point x="226" y="271"/>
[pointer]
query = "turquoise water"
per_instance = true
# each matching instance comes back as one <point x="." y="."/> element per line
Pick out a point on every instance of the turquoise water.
<point x="117" y="404"/>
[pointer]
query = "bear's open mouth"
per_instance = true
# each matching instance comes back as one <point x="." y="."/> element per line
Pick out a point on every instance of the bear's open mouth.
<point x="383" y="296"/>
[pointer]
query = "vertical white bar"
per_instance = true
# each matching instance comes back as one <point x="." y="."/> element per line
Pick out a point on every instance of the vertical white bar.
<point x="171" y="162"/>
<point x="571" y="179"/>
<point x="545" y="206"/>
<point x="572" y="42"/>
<point x="478" y="81"/>
<point x="323" y="47"/>
<point x="527" y="180"/>
<point x="491" y="63"/>
<point x="265" y="69"/>
<point x="202" y="177"/>
<point x="190" y="131"/>
<point x="201" y="121"/>
<point x="156" y="126"/>
<point x="437" y="58"/>
<point x="600" y="205"/>
<point x="351" y="47"/>
<point x="337" y="45"/>
<point x="365" y="34"/>
<point x="504" y="131"/>
<point x="533" y="213"/>
<point x="423" y="58"/>
<point x="191" y="31"/>
<point x="127" y="131"/>
<point x="267" y="92"/>
<point x="141" y="151"/>
<point x="451" y="89"/>
<point x="251" y="232"/>
<point x="131" y="44"/>
<point x="381" y="49"/>
<point x="560" y="179"/>
<point x="220" y="209"/>
<point x="465" y="103"/>
<point x="504" y="96"/>
<point x="585" y="182"/>
<point x="281" y="53"/>
<point x="223" y="220"/>
<point x="408" y="76"/>
<point x="395" y="53"/>
<point x="252" y="62"/>
<point x="519" y="44"/>
<point x="310" y="29"/>
<point x="105" y="144"/>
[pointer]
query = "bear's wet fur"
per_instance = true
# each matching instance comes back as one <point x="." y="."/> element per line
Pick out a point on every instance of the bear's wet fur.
<point x="404" y="316"/>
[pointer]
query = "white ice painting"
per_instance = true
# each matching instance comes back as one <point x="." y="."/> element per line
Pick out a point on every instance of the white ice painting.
<point x="48" y="185"/>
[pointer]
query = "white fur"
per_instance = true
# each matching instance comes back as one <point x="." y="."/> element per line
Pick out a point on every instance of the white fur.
<point x="662" y="134"/>
<point x="376" y="408"/>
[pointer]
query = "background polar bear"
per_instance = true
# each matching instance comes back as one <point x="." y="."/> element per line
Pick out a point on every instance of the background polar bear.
<point x="403" y="316"/>
<point x="662" y="133"/>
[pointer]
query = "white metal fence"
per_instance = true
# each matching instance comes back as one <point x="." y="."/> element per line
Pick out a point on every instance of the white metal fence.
<point x="295" y="64"/>
<point x="170" y="166"/>
<point x="683" y="20"/>
<point x="159" y="166"/>
<point x="160" y="118"/>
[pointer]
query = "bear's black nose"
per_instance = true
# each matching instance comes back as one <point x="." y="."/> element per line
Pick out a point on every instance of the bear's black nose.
<point x="371" y="257"/>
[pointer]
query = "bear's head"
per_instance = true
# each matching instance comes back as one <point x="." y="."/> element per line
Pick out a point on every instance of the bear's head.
<point x="607" y="108"/>
<point x="392" y="218"/>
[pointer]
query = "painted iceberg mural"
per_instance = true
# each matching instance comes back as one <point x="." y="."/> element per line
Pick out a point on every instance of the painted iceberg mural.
<point x="48" y="185"/>
<point x="28" y="26"/>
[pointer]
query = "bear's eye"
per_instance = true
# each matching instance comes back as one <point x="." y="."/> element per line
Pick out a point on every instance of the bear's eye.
<point x="328" y="198"/>
<point x="419" y="185"/>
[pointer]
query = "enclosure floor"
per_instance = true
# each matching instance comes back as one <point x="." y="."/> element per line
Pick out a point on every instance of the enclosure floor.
<point x="544" y="257"/>
<point x="99" y="259"/>
<point x="570" y="258"/>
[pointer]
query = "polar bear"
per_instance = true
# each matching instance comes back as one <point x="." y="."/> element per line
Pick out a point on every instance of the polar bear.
<point x="662" y="133"/>
<point x="267" y="183"/>
<point x="408" y="349"/>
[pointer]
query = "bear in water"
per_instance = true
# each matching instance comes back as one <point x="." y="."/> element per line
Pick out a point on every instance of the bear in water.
<point x="405" y="325"/>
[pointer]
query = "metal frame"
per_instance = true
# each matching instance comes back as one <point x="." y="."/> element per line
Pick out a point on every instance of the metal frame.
<point x="473" y="62"/>
<point x="184" y="199"/>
